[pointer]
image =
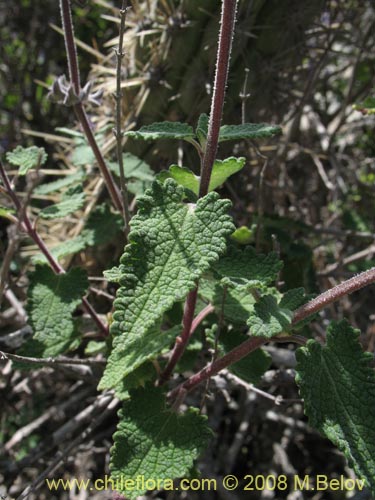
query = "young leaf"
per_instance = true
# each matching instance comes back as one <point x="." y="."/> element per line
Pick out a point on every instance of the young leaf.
<point x="248" y="269"/>
<point x="68" y="205"/>
<point x="202" y="129"/>
<point x="269" y="318"/>
<point x="243" y="235"/>
<point x="52" y="298"/>
<point x="163" y="130"/>
<point x="221" y="170"/>
<point x="27" y="158"/>
<point x="179" y="242"/>
<point x="153" y="442"/>
<point x="248" y="131"/>
<point x="338" y="387"/>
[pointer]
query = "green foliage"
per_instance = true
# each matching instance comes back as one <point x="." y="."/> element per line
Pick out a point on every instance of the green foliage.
<point x="367" y="107"/>
<point x="179" y="242"/>
<point x="138" y="173"/>
<point x="248" y="131"/>
<point x="221" y="171"/>
<point x="101" y="227"/>
<point x="66" y="181"/>
<point x="338" y="387"/>
<point x="52" y="299"/>
<point x="72" y="200"/>
<point x="153" y="442"/>
<point x="163" y="130"/>
<point x="27" y="158"/>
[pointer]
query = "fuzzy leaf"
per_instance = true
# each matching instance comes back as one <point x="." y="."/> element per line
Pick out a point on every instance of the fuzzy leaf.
<point x="52" y="299"/>
<point x="248" y="269"/>
<point x="248" y="131"/>
<point x="59" y="184"/>
<point x="27" y="158"/>
<point x="163" y="130"/>
<point x="202" y="129"/>
<point x="153" y="442"/>
<point x="238" y="302"/>
<point x="243" y="235"/>
<point x="221" y="170"/>
<point x="113" y="275"/>
<point x="269" y="318"/>
<point x="68" y="205"/>
<point x="138" y="349"/>
<point x="338" y="387"/>
<point x="171" y="245"/>
<point x="138" y="173"/>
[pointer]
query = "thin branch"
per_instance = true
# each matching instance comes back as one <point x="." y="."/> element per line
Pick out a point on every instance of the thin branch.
<point x="228" y="16"/>
<point x="334" y="294"/>
<point x="118" y="131"/>
<point x="96" y="421"/>
<point x="61" y="360"/>
<point x="70" y="46"/>
<point x="111" y="186"/>
<point x="214" y="368"/>
<point x="71" y="52"/>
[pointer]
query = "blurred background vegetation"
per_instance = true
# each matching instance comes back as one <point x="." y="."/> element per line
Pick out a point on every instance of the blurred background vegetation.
<point x="299" y="64"/>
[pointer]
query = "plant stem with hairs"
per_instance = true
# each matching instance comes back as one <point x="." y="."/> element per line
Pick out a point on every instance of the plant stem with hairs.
<point x="228" y="15"/>
<point x="73" y="67"/>
<point x="118" y="131"/>
<point x="251" y="344"/>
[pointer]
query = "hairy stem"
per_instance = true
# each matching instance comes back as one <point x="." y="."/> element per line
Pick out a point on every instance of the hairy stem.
<point x="228" y="15"/>
<point x="111" y="186"/>
<point x="70" y="46"/>
<point x="334" y="294"/>
<point x="117" y="131"/>
<point x="337" y="292"/>
<point x="34" y="235"/>
<point x="183" y="339"/>
<point x="215" y="367"/>
<point x="71" y="53"/>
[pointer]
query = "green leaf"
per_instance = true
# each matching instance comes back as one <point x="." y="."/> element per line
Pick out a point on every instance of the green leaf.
<point x="221" y="170"/>
<point x="52" y="299"/>
<point x="71" y="202"/>
<point x="338" y="387"/>
<point x="248" y="131"/>
<point x="163" y="130"/>
<point x="246" y="268"/>
<point x="269" y="318"/>
<point x="171" y="245"/>
<point x="251" y="367"/>
<point x="243" y="235"/>
<point x="367" y="107"/>
<point x="238" y="303"/>
<point x="101" y="227"/>
<point x="27" y="158"/>
<point x="202" y="130"/>
<point x="6" y="213"/>
<point x="136" y="349"/>
<point x="153" y="442"/>
<point x="113" y="275"/>
<point x="134" y="168"/>
<point x="59" y="184"/>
